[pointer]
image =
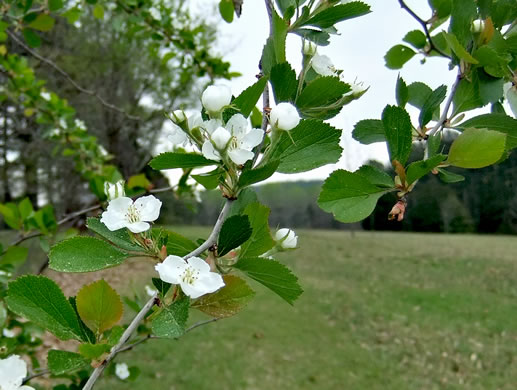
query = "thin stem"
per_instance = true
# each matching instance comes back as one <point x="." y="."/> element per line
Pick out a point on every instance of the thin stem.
<point x="69" y="78"/>
<point x="35" y="375"/>
<point x="423" y="23"/>
<point x="211" y="240"/>
<point x="443" y="118"/>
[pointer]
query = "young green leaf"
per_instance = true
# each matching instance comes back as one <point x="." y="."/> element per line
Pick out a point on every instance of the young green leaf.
<point x="236" y="231"/>
<point x="261" y="240"/>
<point x="398" y="130"/>
<point x="419" y="169"/>
<point x="228" y="301"/>
<point x="279" y="36"/>
<point x="84" y="254"/>
<point x="431" y="104"/>
<point x="43" y="22"/>
<point x="330" y="16"/>
<point x="161" y="286"/>
<point x="226" y="9"/>
<point x="349" y="196"/>
<point x="497" y="122"/>
<point x="93" y="351"/>
<point x="250" y="96"/>
<point x="318" y="99"/>
<point x="418" y="93"/>
<point x="477" y="148"/>
<point x="401" y="92"/>
<point x="41" y="301"/>
<point x="171" y="322"/>
<point x="376" y="176"/>
<point x="397" y="56"/>
<point x="467" y="96"/>
<point x="283" y="80"/>
<point x="449" y="177"/>
<point x="252" y="176"/>
<point x="120" y="237"/>
<point x="62" y="362"/>
<point x="171" y="160"/>
<point x="179" y="245"/>
<point x="272" y="274"/>
<point x="15" y="256"/>
<point x="209" y="180"/>
<point x="369" y="131"/>
<point x="99" y="306"/>
<point x="416" y="38"/>
<point x="459" y="50"/>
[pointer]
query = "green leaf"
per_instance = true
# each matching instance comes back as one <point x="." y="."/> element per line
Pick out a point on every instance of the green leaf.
<point x="11" y="215"/>
<point x="431" y="104"/>
<point x="43" y="22"/>
<point x="246" y="196"/>
<point x="279" y="37"/>
<point x="398" y="130"/>
<point x="227" y="301"/>
<point x="416" y="38"/>
<point x="463" y="12"/>
<point x="226" y="9"/>
<point x="119" y="238"/>
<point x="418" y="93"/>
<point x="349" y="196"/>
<point x="41" y="301"/>
<point x="55" y="5"/>
<point x="62" y="362"/>
<point x="178" y="245"/>
<point x="283" y="79"/>
<point x="459" y="50"/>
<point x="139" y="181"/>
<point x="15" y="256"/>
<point x="330" y="16"/>
<point x="93" y="351"/>
<point x="161" y="286"/>
<point x="252" y="176"/>
<point x="84" y="254"/>
<point x="320" y="38"/>
<point x="98" y="11"/>
<point x="441" y="7"/>
<point x="449" y="177"/>
<point x="87" y="334"/>
<point x="376" y="176"/>
<point x="467" y="96"/>
<point x="318" y="99"/>
<point x="261" y="240"/>
<point x="369" y="131"/>
<point x="477" y="148"/>
<point x="268" y="59"/>
<point x="397" y="56"/>
<point x="402" y="92"/>
<point x="419" y="169"/>
<point x="497" y="122"/>
<point x="32" y="39"/>
<point x="236" y="231"/>
<point x="25" y="208"/>
<point x="248" y="98"/>
<point x="209" y="180"/>
<point x="72" y="15"/>
<point x="170" y="323"/>
<point x="309" y="145"/>
<point x="171" y="160"/>
<point x="272" y="274"/>
<point x="99" y="306"/>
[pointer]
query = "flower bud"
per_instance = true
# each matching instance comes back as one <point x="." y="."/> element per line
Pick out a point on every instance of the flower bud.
<point x="286" y="238"/>
<point x="114" y="191"/>
<point x="511" y="96"/>
<point x="323" y="65"/>
<point x="309" y="48"/>
<point x="178" y="116"/>
<point x="216" y="97"/>
<point x="398" y="211"/>
<point x="284" y="117"/>
<point x="477" y="26"/>
<point x="221" y="136"/>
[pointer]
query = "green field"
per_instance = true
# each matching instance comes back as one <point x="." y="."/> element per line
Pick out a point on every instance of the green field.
<point x="380" y="311"/>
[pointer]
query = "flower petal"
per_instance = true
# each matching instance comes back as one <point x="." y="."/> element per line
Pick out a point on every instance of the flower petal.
<point x="221" y="136"/>
<point x="113" y="220"/>
<point x="149" y="207"/>
<point x="120" y="205"/>
<point x="210" y="283"/>
<point x="171" y="269"/>
<point x="237" y="125"/>
<point x="199" y="264"/>
<point x="209" y="151"/>
<point x="252" y="139"/>
<point x="12" y="371"/>
<point x="138" y="227"/>
<point x="240" y="156"/>
<point x="211" y="125"/>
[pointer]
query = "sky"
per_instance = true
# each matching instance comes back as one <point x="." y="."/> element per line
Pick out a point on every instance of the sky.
<point x="359" y="51"/>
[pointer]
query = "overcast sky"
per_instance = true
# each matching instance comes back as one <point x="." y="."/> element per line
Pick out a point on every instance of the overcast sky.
<point x="358" y="50"/>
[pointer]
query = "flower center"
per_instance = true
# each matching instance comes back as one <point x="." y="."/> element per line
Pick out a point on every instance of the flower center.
<point x="133" y="214"/>
<point x="190" y="275"/>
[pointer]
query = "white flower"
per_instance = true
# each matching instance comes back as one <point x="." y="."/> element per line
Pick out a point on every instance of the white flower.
<point x="323" y="65"/>
<point x="237" y="139"/>
<point x="80" y="124"/>
<point x="45" y="95"/>
<point x="122" y="371"/>
<point x="356" y="89"/>
<point x="178" y="116"/>
<point x="287" y="238"/>
<point x="177" y="136"/>
<point x="9" y="333"/>
<point x="193" y="275"/>
<point x="123" y="212"/>
<point x="114" y="191"/>
<point x="12" y="372"/>
<point x="216" y="97"/>
<point x="309" y="48"/>
<point x="284" y="117"/>
<point x="62" y="124"/>
<point x="150" y="291"/>
<point x="511" y="96"/>
<point x="155" y="13"/>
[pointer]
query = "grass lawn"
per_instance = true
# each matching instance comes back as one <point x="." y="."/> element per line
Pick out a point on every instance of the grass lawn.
<point x="380" y="311"/>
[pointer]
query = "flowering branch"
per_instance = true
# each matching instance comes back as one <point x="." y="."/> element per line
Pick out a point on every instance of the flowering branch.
<point x="69" y="78"/>
<point x="120" y="346"/>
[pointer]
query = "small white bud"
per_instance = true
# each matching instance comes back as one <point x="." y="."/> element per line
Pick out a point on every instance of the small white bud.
<point x="216" y="97"/>
<point x="477" y="26"/>
<point x="45" y="95"/>
<point x="323" y="65"/>
<point x="286" y="238"/>
<point x="221" y="136"/>
<point x="511" y="96"/>
<point x="122" y="371"/>
<point x="309" y="48"/>
<point x="114" y="191"/>
<point x="284" y="117"/>
<point x="178" y="116"/>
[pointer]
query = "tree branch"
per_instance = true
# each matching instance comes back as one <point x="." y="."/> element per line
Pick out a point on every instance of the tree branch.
<point x="211" y="240"/>
<point x="69" y="78"/>
<point x="423" y="23"/>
